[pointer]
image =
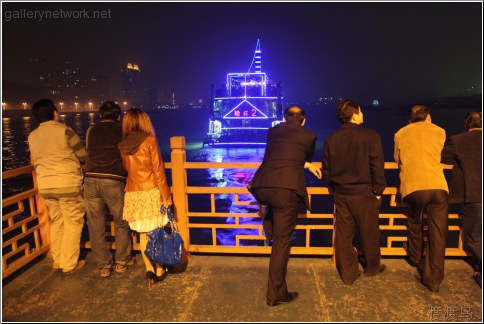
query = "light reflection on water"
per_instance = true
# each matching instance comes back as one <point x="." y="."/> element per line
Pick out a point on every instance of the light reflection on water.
<point x="233" y="178"/>
<point x="16" y="153"/>
<point x="91" y="119"/>
<point x="16" y="129"/>
<point x="7" y="143"/>
<point x="27" y="128"/>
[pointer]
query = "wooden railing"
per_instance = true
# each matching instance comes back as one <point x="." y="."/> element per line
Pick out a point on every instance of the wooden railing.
<point x="25" y="225"/>
<point x="206" y="225"/>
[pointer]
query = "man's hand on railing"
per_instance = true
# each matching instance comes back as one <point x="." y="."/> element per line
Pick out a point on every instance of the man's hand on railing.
<point x="314" y="170"/>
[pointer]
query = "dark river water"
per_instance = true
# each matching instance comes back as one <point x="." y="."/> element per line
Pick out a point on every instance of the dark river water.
<point x="193" y="124"/>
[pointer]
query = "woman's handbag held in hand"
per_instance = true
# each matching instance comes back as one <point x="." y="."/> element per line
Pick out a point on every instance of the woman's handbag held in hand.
<point x="165" y="244"/>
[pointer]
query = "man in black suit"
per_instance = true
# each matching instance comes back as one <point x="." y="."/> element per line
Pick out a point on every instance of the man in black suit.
<point x="353" y="163"/>
<point x="279" y="183"/>
<point x="464" y="152"/>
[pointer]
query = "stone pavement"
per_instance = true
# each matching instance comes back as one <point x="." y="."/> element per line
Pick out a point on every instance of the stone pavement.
<point x="223" y="288"/>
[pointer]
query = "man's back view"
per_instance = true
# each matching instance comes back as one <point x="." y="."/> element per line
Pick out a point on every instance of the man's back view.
<point x="56" y="152"/>
<point x="464" y="152"/>
<point x="353" y="162"/>
<point x="289" y="146"/>
<point x="104" y="187"/>
<point x="280" y="184"/>
<point x="418" y="148"/>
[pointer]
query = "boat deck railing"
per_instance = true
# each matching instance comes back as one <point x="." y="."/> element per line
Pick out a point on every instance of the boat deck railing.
<point x="25" y="221"/>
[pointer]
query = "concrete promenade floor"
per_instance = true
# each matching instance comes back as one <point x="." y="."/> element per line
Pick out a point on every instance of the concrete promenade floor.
<point x="232" y="289"/>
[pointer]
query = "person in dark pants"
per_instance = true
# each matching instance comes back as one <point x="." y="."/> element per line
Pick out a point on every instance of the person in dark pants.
<point x="104" y="187"/>
<point x="279" y="183"/>
<point x="354" y="165"/>
<point x="418" y="148"/>
<point x="464" y="152"/>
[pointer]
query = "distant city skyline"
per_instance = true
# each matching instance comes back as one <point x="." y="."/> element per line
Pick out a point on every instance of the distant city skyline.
<point x="392" y="52"/>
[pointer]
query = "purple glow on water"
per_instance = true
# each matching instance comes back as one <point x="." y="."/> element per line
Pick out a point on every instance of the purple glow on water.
<point x="238" y="143"/>
<point x="174" y="123"/>
<point x="232" y="178"/>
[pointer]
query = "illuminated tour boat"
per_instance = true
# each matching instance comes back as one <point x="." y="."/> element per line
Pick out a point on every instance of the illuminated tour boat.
<point x="244" y="109"/>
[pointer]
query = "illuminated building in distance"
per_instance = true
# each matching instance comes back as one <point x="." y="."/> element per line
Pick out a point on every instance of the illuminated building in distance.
<point x="243" y="110"/>
<point x="130" y="84"/>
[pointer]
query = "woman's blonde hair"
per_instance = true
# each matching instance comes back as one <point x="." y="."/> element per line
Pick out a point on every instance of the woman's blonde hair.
<point x="137" y="121"/>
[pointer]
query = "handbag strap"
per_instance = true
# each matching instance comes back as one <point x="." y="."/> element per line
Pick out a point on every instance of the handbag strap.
<point x="171" y="218"/>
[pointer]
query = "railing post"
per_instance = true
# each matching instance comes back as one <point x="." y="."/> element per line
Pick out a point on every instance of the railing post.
<point x="179" y="185"/>
<point x="42" y="211"/>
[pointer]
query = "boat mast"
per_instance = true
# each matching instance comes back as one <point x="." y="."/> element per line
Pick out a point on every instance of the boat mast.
<point x="257" y="59"/>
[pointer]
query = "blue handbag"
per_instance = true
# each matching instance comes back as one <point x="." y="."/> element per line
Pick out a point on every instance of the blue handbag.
<point x="165" y="244"/>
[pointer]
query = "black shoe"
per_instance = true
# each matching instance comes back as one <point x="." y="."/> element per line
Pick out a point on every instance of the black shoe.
<point x="350" y="283"/>
<point x="289" y="298"/>
<point x="432" y="289"/>
<point x="417" y="276"/>
<point x="380" y="270"/>
<point x="179" y="268"/>
<point x="477" y="276"/>
<point x="163" y="276"/>
<point x="152" y="279"/>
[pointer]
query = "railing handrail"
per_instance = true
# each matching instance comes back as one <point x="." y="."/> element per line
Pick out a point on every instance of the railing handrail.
<point x="255" y="165"/>
<point x="181" y="190"/>
<point x="198" y="165"/>
<point x="17" y="171"/>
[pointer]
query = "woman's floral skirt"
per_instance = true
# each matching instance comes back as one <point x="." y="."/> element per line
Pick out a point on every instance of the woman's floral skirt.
<point x="142" y="210"/>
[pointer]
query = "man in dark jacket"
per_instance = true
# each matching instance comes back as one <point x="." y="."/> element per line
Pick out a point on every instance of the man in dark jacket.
<point x="464" y="152"/>
<point x="104" y="186"/>
<point x="353" y="163"/>
<point x="280" y="184"/>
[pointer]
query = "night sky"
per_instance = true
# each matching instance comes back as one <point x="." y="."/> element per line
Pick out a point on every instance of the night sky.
<point x="395" y="52"/>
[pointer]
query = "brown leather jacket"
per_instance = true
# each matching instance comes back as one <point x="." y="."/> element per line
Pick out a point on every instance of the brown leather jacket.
<point x="145" y="166"/>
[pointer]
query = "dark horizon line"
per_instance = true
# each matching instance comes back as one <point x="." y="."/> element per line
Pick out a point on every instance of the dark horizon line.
<point x="436" y="102"/>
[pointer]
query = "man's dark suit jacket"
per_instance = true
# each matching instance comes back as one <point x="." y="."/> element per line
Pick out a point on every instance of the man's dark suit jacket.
<point x="289" y="146"/>
<point x="353" y="161"/>
<point x="464" y="152"/>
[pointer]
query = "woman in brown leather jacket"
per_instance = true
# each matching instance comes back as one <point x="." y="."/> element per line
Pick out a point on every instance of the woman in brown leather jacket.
<point x="146" y="186"/>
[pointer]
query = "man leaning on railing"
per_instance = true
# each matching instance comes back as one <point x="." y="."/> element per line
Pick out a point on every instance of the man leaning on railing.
<point x="56" y="153"/>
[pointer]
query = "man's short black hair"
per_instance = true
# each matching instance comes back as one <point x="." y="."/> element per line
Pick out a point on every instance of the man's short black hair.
<point x="110" y="110"/>
<point x="346" y="109"/>
<point x="418" y="113"/>
<point x="294" y="114"/>
<point x="43" y="110"/>
<point x="473" y="120"/>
